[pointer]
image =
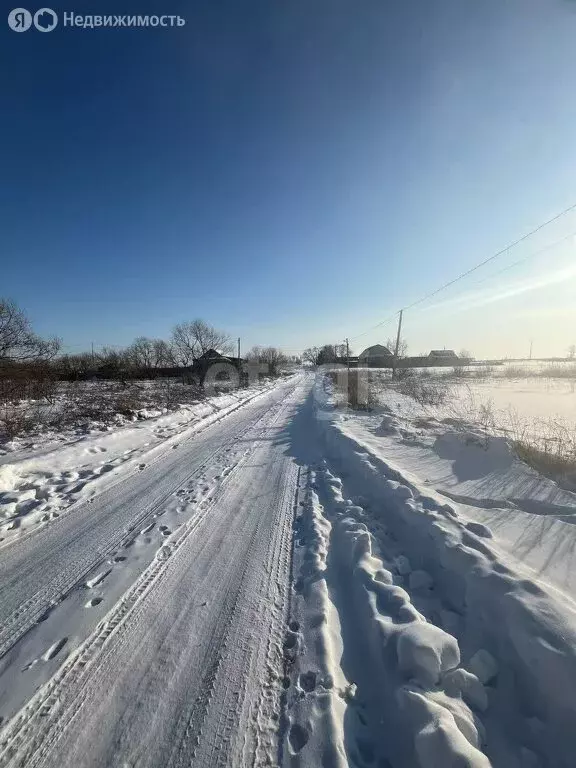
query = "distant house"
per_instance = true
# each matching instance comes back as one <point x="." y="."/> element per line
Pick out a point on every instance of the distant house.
<point x="377" y="356"/>
<point x="212" y="357"/>
<point x="444" y="356"/>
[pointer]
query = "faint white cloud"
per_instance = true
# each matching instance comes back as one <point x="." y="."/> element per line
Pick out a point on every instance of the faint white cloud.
<point x="475" y="299"/>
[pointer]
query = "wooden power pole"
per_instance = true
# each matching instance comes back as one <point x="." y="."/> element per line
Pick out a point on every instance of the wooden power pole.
<point x="395" y="361"/>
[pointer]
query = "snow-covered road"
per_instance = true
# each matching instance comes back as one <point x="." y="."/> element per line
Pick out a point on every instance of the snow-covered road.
<point x="181" y="663"/>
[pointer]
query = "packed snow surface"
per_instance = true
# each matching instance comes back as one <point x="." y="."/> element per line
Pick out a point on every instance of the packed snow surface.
<point x="283" y="583"/>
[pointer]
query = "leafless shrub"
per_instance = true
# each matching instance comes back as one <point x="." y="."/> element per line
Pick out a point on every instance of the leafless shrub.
<point x="405" y="373"/>
<point x="555" y="466"/>
<point x="559" y="372"/>
<point x="517" y="372"/>
<point x="483" y="372"/>
<point x="546" y="444"/>
<point x="14" y="421"/>
<point x="30" y="381"/>
<point x="425" y="393"/>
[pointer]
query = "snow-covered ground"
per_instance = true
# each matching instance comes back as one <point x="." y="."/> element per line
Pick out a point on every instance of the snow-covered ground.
<point x="534" y="398"/>
<point x="39" y="481"/>
<point x="288" y="583"/>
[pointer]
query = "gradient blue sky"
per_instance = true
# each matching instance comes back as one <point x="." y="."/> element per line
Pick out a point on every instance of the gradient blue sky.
<point x="293" y="171"/>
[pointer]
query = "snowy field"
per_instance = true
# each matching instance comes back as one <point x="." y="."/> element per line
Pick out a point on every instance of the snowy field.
<point x="533" y="390"/>
<point x="531" y="405"/>
<point x="286" y="582"/>
<point x="532" y="398"/>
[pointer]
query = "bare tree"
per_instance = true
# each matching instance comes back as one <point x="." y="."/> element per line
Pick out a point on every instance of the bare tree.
<point x="572" y="351"/>
<point x="340" y="350"/>
<point x="254" y="354"/>
<point x="311" y="355"/>
<point x="74" y="365"/>
<point x="402" y="346"/>
<point x="191" y="340"/>
<point x="465" y="354"/>
<point x="272" y="356"/>
<point x="18" y="342"/>
<point x="327" y="354"/>
<point x="113" y="362"/>
<point x="163" y="354"/>
<point x="141" y="353"/>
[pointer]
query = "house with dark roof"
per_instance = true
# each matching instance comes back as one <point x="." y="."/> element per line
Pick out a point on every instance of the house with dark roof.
<point x="212" y="357"/>
<point x="444" y="355"/>
<point x="376" y="356"/>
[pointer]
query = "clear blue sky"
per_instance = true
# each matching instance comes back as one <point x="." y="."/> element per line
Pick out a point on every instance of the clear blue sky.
<point x="289" y="170"/>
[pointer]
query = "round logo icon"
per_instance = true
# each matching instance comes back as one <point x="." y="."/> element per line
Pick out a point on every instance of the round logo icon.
<point x="19" y="19"/>
<point x="45" y="20"/>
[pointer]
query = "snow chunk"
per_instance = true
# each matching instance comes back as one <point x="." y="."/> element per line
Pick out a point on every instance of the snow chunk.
<point x="9" y="510"/>
<point x="483" y="665"/>
<point x="95" y="580"/>
<point x="439" y="740"/>
<point x="459" y="682"/>
<point x="426" y="651"/>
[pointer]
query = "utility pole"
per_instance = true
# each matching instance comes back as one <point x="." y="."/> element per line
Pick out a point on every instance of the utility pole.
<point x="238" y="348"/>
<point x="92" y="353"/>
<point x="395" y="361"/>
<point x="348" y="355"/>
<point x="531" y="342"/>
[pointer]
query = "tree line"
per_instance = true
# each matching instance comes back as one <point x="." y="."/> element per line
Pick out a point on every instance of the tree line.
<point x="188" y="341"/>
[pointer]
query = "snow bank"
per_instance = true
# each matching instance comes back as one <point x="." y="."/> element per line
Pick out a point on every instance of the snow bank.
<point x="407" y="657"/>
<point x="513" y="634"/>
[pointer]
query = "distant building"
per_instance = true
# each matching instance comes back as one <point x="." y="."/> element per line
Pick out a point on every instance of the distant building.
<point x="444" y="354"/>
<point x="377" y="356"/>
<point x="212" y="357"/>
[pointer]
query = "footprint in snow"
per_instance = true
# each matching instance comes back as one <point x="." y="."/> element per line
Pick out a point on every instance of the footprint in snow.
<point x="297" y="737"/>
<point x="307" y="681"/>
<point x="55" y="649"/>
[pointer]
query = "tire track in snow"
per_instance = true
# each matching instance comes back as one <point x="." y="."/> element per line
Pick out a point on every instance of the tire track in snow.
<point x="70" y="549"/>
<point x="118" y="681"/>
<point x="245" y="653"/>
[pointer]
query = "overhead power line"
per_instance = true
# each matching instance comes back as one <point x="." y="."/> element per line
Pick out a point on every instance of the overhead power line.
<point x="378" y="325"/>
<point x="492" y="258"/>
<point x="482" y="264"/>
<point x="528" y="258"/>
